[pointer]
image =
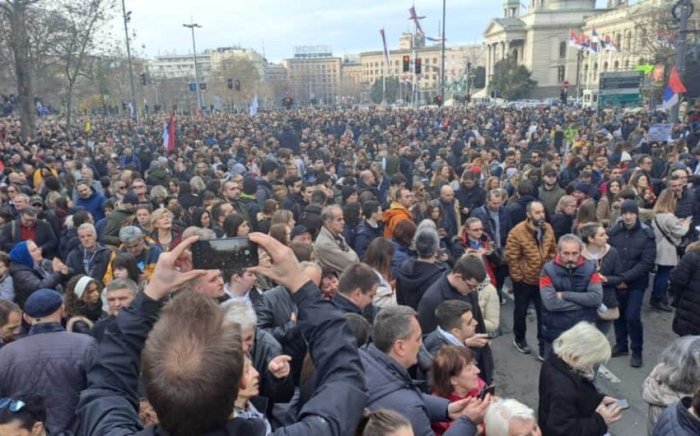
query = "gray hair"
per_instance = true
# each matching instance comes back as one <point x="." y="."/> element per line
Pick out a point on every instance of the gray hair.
<point x="427" y="242"/>
<point x="679" y="365"/>
<point x="87" y="226"/>
<point x="327" y="212"/>
<point x="583" y="347"/>
<point x="158" y="191"/>
<point x="569" y="239"/>
<point x="241" y="313"/>
<point x="119" y="284"/>
<point x="130" y="234"/>
<point x="528" y="208"/>
<point x="501" y="411"/>
<point x="391" y="324"/>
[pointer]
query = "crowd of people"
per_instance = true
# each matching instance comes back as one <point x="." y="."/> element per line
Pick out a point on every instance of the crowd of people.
<point x="389" y="243"/>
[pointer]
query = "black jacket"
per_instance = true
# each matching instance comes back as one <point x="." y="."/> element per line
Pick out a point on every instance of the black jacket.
<point x="54" y="363"/>
<point x="562" y="224"/>
<point x="28" y="280"/>
<point x="264" y="192"/>
<point x="266" y="348"/>
<point x="414" y="278"/>
<point x="364" y="235"/>
<point x="504" y="221"/>
<point x="685" y="281"/>
<point x="517" y="209"/>
<point x="45" y="237"/>
<point x="274" y="310"/>
<point x="637" y="249"/>
<point x="334" y="410"/>
<point x="470" y="198"/>
<point x="96" y="264"/>
<point x="441" y="291"/>
<point x="311" y="218"/>
<point x="611" y="267"/>
<point x="568" y="402"/>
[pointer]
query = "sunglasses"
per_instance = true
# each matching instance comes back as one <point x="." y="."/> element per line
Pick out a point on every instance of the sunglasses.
<point x="13" y="405"/>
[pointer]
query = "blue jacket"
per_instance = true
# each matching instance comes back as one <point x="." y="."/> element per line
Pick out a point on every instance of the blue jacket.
<point x="637" y="249"/>
<point x="364" y="235"/>
<point x="93" y="204"/>
<point x="391" y="387"/>
<point x="334" y="410"/>
<point x="676" y="420"/>
<point x="504" y="221"/>
<point x="401" y="254"/>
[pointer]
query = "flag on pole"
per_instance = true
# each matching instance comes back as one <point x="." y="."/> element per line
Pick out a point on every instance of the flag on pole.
<point x="610" y="45"/>
<point x="416" y="19"/>
<point x="594" y="36"/>
<point x="386" y="52"/>
<point x="674" y="88"/>
<point x="132" y="112"/>
<point x="254" y="106"/>
<point x="435" y="39"/>
<point x="169" y="134"/>
<point x="575" y="40"/>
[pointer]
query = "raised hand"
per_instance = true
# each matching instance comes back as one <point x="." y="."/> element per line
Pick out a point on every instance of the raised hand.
<point x="167" y="278"/>
<point x="282" y="267"/>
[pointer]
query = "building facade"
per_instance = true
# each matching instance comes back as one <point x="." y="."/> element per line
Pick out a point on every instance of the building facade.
<point x="314" y="75"/>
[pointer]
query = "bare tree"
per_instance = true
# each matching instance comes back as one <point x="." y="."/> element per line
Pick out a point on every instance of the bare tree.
<point x="15" y="12"/>
<point x="242" y="73"/>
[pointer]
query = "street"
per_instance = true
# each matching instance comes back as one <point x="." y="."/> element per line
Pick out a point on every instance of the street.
<point x="517" y="375"/>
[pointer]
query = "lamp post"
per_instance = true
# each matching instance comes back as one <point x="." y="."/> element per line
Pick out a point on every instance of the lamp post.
<point x="442" y="60"/>
<point x="127" y="17"/>
<point x="200" y="103"/>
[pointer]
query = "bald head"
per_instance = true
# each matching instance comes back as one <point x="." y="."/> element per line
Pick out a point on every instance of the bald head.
<point x="447" y="194"/>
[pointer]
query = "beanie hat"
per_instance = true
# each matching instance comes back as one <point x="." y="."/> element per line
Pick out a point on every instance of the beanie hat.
<point x="347" y="192"/>
<point x="629" y="206"/>
<point x="42" y="302"/>
<point x="130" y="197"/>
<point x="583" y="187"/>
<point x="249" y="185"/>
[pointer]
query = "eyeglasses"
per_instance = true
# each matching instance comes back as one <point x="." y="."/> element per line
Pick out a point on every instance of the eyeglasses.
<point x="13" y="405"/>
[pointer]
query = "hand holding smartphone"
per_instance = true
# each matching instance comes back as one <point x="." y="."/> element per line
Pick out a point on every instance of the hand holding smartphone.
<point x="227" y="253"/>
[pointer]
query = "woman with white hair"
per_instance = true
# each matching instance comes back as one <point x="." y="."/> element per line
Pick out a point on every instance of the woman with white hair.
<point x="570" y="404"/>
<point x="677" y="375"/>
<point x="506" y="417"/>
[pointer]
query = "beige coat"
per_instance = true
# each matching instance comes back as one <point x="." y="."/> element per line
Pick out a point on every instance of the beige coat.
<point x="331" y="253"/>
<point x="490" y="307"/>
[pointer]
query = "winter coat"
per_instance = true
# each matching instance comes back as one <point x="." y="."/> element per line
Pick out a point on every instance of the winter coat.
<point x="658" y="395"/>
<point x="45" y="237"/>
<point x="470" y="198"/>
<point x="7" y="287"/>
<point x="333" y="252"/>
<point x="610" y="266"/>
<point x="401" y="254"/>
<point x="118" y="218"/>
<point x="264" y="192"/>
<point x="517" y="208"/>
<point x="567" y="402"/>
<point x="490" y="306"/>
<point x="391" y="387"/>
<point x="504" y="223"/>
<point x="311" y="218"/>
<point x="581" y="293"/>
<point x="526" y="255"/>
<point x="394" y="215"/>
<point x="441" y="291"/>
<point x="28" y="280"/>
<point x="364" y="235"/>
<point x="334" y="411"/>
<point x="93" y="204"/>
<point x="685" y="280"/>
<point x="562" y="224"/>
<point x="550" y="198"/>
<point x="413" y="278"/>
<point x="67" y="241"/>
<point x="95" y="266"/>
<point x="274" y="310"/>
<point x="671" y="226"/>
<point x="266" y="348"/>
<point x="637" y="249"/>
<point x="54" y="363"/>
<point x="677" y="420"/>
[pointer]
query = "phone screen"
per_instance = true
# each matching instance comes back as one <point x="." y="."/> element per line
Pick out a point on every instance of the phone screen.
<point x="486" y="391"/>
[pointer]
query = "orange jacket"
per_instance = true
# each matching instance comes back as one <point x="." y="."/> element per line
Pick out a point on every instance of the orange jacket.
<point x="393" y="216"/>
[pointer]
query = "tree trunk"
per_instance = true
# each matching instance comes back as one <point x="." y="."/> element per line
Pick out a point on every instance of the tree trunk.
<point x="69" y="110"/>
<point x="23" y="69"/>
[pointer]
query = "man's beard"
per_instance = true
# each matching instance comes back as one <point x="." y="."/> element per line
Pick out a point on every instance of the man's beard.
<point x="537" y="223"/>
<point x="570" y="265"/>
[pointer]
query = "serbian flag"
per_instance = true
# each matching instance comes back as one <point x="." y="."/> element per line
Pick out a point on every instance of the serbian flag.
<point x="416" y="19"/>
<point x="169" y="134"/>
<point x="435" y="39"/>
<point x="575" y="40"/>
<point x="674" y="88"/>
<point x="610" y="45"/>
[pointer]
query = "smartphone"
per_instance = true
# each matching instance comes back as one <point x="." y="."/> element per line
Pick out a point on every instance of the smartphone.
<point x="486" y="391"/>
<point x="227" y="253"/>
<point x="622" y="404"/>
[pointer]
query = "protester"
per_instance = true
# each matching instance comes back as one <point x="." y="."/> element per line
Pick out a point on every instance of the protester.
<point x="119" y="294"/>
<point x="507" y="417"/>
<point x="10" y="322"/>
<point x="680" y="419"/>
<point x="685" y="282"/>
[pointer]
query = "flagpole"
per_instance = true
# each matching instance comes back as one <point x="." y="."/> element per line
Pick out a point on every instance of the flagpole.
<point x="442" y="66"/>
<point x="415" y="79"/>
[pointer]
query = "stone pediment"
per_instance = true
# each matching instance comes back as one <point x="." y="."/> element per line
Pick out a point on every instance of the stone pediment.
<point x="508" y="25"/>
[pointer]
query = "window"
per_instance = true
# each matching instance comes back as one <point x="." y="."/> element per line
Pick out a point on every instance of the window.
<point x="562" y="49"/>
<point x="561" y="73"/>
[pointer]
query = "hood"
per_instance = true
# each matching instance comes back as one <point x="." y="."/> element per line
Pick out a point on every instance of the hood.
<point x="395" y="210"/>
<point x="587" y="255"/>
<point x="419" y="274"/>
<point x="20" y="254"/>
<point x="657" y="393"/>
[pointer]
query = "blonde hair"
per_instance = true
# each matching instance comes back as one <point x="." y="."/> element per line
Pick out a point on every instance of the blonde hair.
<point x="158" y="214"/>
<point x="583" y="347"/>
<point x="666" y="203"/>
<point x="563" y="201"/>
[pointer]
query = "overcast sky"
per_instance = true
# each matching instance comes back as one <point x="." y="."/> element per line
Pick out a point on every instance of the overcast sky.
<point x="347" y="26"/>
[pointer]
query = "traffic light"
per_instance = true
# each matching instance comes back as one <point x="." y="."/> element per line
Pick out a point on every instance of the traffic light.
<point x="418" y="66"/>
<point x="238" y="85"/>
<point x="143" y="79"/>
<point x="406" y="64"/>
<point x="229" y="83"/>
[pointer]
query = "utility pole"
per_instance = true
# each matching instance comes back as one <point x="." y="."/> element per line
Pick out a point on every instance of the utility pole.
<point x="200" y="102"/>
<point x="127" y="17"/>
<point x="681" y="13"/>
<point x="442" y="66"/>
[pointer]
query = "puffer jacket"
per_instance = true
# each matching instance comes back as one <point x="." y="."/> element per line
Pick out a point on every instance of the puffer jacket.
<point x="393" y="216"/>
<point x="526" y="255"/>
<point x="677" y="420"/>
<point x="658" y="395"/>
<point x="685" y="279"/>
<point x="55" y="363"/>
<point x="637" y="249"/>
<point x="414" y="278"/>
<point x="364" y="235"/>
<point x="27" y="280"/>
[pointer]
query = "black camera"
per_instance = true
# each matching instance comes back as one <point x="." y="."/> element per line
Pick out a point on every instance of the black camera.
<point x="227" y="253"/>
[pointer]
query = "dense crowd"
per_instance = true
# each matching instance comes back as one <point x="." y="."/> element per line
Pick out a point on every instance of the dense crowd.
<point x="389" y="243"/>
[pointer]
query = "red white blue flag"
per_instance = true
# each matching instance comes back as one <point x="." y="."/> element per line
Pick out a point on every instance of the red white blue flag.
<point x="169" y="134"/>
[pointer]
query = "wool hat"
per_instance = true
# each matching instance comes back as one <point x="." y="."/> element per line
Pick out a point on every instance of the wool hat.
<point x="298" y="230"/>
<point x="583" y="187"/>
<point x="130" y="197"/>
<point x="42" y="302"/>
<point x="347" y="191"/>
<point x="629" y="205"/>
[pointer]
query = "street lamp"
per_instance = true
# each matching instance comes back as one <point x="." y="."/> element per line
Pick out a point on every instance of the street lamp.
<point x="200" y="102"/>
<point x="127" y="17"/>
